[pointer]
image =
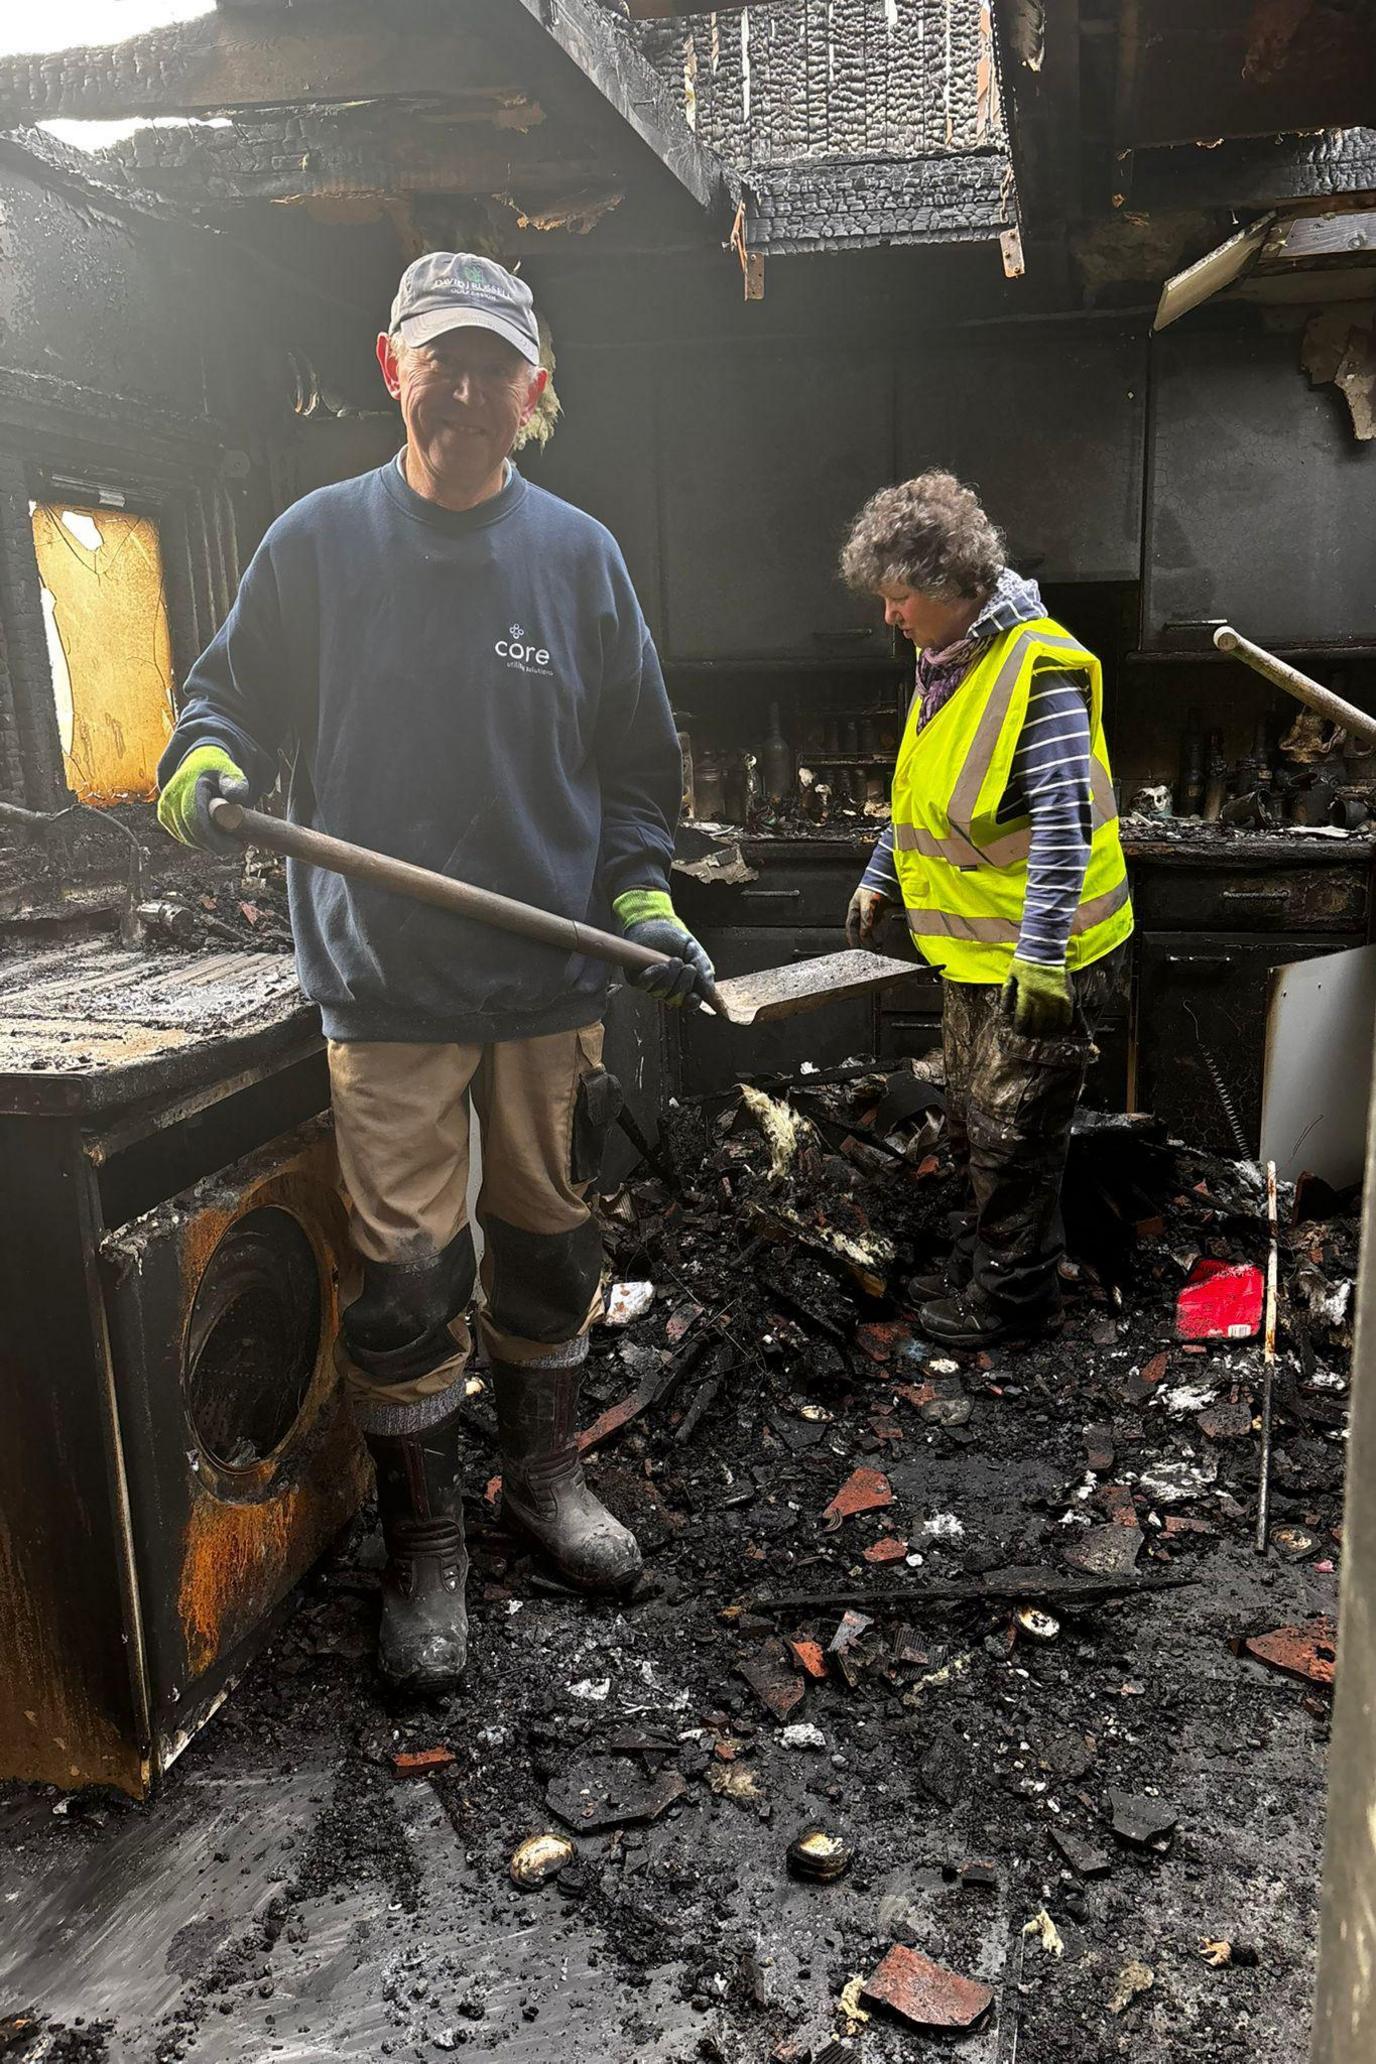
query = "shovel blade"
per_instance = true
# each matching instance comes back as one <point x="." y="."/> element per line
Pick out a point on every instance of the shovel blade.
<point x="807" y="984"/>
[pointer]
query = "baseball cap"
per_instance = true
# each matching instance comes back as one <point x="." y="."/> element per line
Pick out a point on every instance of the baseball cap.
<point x="457" y="290"/>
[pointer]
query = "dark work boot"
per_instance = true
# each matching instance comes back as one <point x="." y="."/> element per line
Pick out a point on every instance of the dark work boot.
<point x="544" y="1491"/>
<point x="967" y="1318"/>
<point x="422" y="1641"/>
<point x="942" y="1282"/>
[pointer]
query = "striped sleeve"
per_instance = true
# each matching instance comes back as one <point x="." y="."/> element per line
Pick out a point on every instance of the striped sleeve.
<point x="881" y="873"/>
<point x="1049" y="781"/>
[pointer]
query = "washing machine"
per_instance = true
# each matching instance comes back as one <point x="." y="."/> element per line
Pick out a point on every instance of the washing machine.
<point x="177" y="1451"/>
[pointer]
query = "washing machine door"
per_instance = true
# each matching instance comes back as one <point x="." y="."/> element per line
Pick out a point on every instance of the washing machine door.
<point x="238" y="1455"/>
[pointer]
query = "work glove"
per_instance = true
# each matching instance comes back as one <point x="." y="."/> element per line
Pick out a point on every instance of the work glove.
<point x="646" y="916"/>
<point x="1038" y="999"/>
<point x="867" y="911"/>
<point x="184" y="805"/>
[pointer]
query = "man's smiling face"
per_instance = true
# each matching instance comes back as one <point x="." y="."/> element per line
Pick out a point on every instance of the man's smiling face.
<point x="464" y="396"/>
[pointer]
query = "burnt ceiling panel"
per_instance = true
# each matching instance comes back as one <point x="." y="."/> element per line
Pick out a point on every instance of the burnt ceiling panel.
<point x="834" y="78"/>
<point x="814" y="205"/>
<point x="340" y="97"/>
<point x="851" y="122"/>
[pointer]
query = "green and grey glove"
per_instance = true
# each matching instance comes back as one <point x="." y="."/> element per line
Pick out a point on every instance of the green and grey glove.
<point x="184" y="805"/>
<point x="1038" y="999"/>
<point x="646" y="916"/>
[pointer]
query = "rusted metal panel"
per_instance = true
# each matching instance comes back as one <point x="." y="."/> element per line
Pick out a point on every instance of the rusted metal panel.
<point x="144" y="1545"/>
<point x="73" y="1705"/>
<point x="228" y="1515"/>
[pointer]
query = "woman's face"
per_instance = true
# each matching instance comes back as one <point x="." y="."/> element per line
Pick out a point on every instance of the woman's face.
<point x="927" y="620"/>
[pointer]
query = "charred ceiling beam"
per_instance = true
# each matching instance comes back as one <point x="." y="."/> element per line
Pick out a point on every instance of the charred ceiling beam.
<point x="1203" y="69"/>
<point x="813" y="205"/>
<point x="598" y="45"/>
<point x="675" y="10"/>
<point x="331" y="51"/>
<point x="378" y="148"/>
<point x="1254" y="172"/>
<point x="1039" y="66"/>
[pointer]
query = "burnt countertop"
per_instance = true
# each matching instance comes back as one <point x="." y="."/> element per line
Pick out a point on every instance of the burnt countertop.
<point x="88" y="1025"/>
<point x="1214" y="845"/>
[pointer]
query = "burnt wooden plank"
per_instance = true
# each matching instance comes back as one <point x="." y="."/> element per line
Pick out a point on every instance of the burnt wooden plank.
<point x="1254" y="172"/>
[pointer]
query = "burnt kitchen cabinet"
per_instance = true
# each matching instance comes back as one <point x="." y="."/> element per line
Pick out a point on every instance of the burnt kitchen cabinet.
<point x="601" y="458"/>
<point x="1293" y="899"/>
<point x="1200" y="1014"/>
<point x="636" y="1051"/>
<point x="1260" y="496"/>
<point x="766" y="456"/>
<point x="1046" y="422"/>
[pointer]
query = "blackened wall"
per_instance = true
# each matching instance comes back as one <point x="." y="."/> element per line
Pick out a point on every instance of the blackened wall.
<point x="150" y="357"/>
<point x="1198" y="474"/>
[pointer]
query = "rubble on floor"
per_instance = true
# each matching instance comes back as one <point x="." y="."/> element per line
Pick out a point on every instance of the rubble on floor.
<point x="967" y="1719"/>
<point x="116" y="868"/>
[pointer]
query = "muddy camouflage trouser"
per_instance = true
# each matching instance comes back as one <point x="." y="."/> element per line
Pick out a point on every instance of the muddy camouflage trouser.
<point x="1010" y="1104"/>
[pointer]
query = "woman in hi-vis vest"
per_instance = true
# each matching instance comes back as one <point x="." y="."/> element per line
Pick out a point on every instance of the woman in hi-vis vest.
<point x="1004" y="853"/>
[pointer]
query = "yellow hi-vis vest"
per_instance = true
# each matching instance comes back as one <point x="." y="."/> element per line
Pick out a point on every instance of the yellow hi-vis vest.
<point x="963" y="874"/>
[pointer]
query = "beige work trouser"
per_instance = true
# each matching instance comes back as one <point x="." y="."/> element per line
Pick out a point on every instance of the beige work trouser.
<point x="401" y="1116"/>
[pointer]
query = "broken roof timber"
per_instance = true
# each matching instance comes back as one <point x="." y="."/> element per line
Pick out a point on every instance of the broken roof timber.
<point x="1040" y="63"/>
<point x="816" y="205"/>
<point x="591" y="39"/>
<point x="332" y="51"/>
<point x="365" y="148"/>
<point x="1254" y="172"/>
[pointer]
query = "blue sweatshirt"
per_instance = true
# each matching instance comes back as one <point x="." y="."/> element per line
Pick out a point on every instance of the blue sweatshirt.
<point x="474" y="691"/>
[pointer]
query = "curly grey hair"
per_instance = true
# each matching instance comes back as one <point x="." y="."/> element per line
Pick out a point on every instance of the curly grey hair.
<point x="928" y="534"/>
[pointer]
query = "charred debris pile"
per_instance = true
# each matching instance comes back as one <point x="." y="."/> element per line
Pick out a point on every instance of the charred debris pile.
<point x="955" y="1697"/>
<point x="763" y="1251"/>
<point x="962" y="1641"/>
<point x="114" y="867"/>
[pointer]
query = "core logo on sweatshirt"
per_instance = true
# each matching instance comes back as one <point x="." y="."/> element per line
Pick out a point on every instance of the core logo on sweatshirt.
<point x="522" y="653"/>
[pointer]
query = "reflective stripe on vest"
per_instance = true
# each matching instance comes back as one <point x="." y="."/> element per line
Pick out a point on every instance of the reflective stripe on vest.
<point x="943" y="924"/>
<point x="965" y="903"/>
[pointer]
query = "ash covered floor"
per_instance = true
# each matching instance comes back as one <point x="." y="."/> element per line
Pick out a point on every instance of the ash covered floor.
<point x="294" y="1894"/>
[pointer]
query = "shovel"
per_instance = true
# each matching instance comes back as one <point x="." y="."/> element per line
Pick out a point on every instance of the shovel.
<point x="744" y="1000"/>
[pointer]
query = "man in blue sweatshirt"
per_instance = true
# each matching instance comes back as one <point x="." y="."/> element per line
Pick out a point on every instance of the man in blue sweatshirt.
<point x="458" y="665"/>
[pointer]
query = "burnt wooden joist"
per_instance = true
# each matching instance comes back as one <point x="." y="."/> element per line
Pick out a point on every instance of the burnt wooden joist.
<point x="833" y="78"/>
<point x="1254" y="172"/>
<point x="813" y="206"/>
<point x="582" y="65"/>
<point x="378" y="147"/>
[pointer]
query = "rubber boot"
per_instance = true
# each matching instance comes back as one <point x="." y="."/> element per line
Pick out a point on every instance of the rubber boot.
<point x="544" y="1491"/>
<point x="422" y="1641"/>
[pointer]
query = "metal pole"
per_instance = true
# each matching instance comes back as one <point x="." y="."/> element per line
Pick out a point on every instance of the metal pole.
<point x="1297" y="684"/>
<point x="1269" y="1350"/>
<point x="482" y="906"/>
<point x="1345" y="2006"/>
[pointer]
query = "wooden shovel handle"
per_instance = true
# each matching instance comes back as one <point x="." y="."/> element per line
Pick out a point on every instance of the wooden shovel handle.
<point x="423" y="885"/>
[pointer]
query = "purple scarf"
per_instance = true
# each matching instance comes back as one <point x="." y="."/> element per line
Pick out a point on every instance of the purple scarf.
<point x="939" y="674"/>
